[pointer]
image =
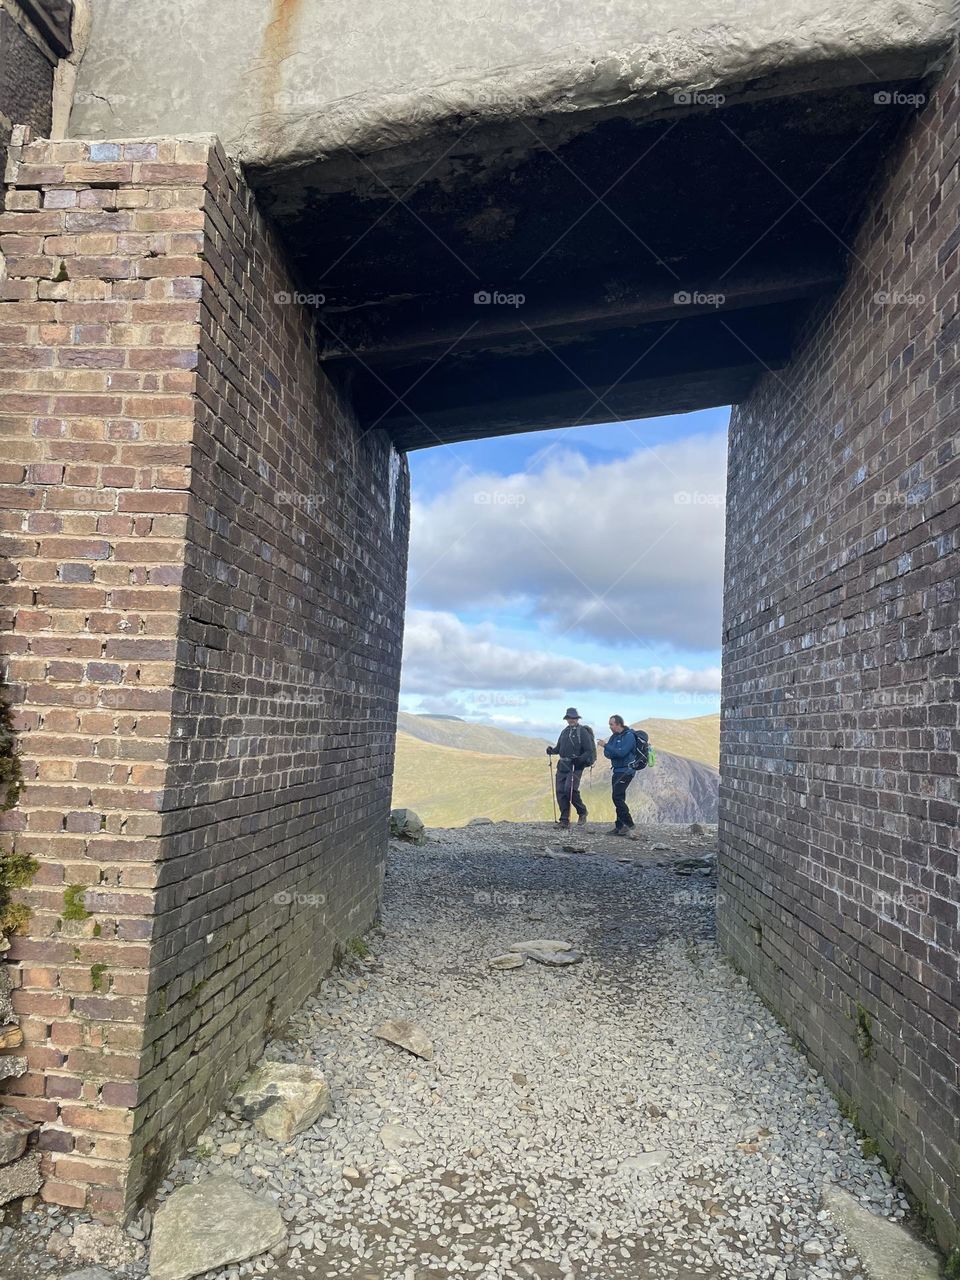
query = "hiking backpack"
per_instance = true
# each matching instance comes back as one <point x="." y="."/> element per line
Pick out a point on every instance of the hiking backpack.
<point x="591" y="747"/>
<point x="644" y="753"/>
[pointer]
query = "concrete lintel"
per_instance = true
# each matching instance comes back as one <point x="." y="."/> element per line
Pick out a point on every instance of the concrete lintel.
<point x="290" y="82"/>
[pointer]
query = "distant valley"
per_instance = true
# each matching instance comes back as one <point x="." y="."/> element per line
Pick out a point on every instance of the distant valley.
<point x="450" y="771"/>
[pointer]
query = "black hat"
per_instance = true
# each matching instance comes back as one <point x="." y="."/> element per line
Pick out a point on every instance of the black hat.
<point x="571" y="713"/>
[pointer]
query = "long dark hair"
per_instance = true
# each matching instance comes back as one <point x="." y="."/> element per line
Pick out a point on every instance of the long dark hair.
<point x="620" y="721"/>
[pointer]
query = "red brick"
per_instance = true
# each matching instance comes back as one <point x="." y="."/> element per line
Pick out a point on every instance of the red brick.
<point x="68" y="1194"/>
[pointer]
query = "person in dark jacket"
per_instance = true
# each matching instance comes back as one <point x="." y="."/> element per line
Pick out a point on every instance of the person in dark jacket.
<point x="577" y="750"/>
<point x="621" y="750"/>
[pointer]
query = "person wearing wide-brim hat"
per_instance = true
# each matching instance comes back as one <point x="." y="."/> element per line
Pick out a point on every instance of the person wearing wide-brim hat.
<point x="577" y="750"/>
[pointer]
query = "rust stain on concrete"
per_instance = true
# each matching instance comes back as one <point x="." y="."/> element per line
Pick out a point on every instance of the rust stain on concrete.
<point x="277" y="45"/>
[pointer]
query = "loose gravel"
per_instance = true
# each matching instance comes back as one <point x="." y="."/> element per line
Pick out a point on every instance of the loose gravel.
<point x="638" y="1115"/>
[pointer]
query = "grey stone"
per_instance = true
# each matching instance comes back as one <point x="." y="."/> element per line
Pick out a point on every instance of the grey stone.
<point x="406" y="825"/>
<point x="694" y="864"/>
<point x="91" y="1273"/>
<point x="540" y="944"/>
<point x="550" y="951"/>
<point x="14" y="1132"/>
<point x="645" y="1160"/>
<point x="510" y="960"/>
<point x="148" y="71"/>
<point x="11" y="1067"/>
<point x="6" y="1008"/>
<point x="397" y="1136"/>
<point x="282" y="1099"/>
<point x="94" y="1242"/>
<point x="209" y="1224"/>
<point x="407" y="1035"/>
<point x="886" y="1249"/>
<point x="555" y="958"/>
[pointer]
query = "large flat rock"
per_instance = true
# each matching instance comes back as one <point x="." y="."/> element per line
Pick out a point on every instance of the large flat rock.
<point x="208" y="1225"/>
<point x="406" y="1035"/>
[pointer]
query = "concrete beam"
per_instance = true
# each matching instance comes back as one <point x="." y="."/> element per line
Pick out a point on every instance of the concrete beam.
<point x="288" y="82"/>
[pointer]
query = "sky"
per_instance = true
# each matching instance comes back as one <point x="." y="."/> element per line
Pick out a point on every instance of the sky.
<point x="581" y="566"/>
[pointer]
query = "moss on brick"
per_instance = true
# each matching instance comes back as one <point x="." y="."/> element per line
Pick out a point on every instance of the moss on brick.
<point x="864" y="1032"/>
<point x="11" y="777"/>
<point x="97" y="975"/>
<point x="73" y="904"/>
<point x="16" y="870"/>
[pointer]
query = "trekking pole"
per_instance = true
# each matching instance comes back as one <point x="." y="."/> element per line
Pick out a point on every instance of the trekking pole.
<point x="553" y="794"/>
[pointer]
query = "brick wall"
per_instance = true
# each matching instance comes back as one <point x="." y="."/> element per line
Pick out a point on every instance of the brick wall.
<point x="202" y="613"/>
<point x="286" y="685"/>
<point x="841" y="698"/>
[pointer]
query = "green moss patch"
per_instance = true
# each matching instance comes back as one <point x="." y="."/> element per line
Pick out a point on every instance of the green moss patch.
<point x="73" y="902"/>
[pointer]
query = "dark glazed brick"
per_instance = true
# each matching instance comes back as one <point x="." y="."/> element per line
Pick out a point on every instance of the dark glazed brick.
<point x="839" y="797"/>
<point x="223" y="815"/>
<point x="288" y="661"/>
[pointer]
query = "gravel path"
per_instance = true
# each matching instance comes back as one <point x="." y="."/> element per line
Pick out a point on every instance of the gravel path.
<point x="638" y="1115"/>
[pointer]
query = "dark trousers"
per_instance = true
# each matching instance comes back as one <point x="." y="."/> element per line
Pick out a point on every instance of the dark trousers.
<point x="620" y="783"/>
<point x="568" y="792"/>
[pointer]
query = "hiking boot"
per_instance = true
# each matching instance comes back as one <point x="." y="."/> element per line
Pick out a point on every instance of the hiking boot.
<point x="564" y="824"/>
<point x="615" y="831"/>
<point x="582" y="819"/>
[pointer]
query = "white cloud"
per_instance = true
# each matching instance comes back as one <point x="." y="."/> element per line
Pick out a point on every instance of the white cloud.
<point x="629" y="551"/>
<point x="441" y="654"/>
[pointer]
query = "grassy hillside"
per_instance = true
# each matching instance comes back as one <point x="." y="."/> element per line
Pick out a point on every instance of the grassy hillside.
<point x="697" y="738"/>
<point x="448" y="785"/>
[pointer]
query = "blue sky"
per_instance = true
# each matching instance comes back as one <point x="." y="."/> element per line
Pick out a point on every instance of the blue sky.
<point x="581" y="565"/>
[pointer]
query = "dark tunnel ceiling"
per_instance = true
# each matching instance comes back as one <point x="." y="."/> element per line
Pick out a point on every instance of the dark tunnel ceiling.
<point x="599" y="227"/>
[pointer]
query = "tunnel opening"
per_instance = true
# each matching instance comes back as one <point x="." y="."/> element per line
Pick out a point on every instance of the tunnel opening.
<point x="580" y="566"/>
<point x="220" y="373"/>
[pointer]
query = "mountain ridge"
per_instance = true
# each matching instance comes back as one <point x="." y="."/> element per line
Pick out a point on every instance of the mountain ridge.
<point x="441" y="773"/>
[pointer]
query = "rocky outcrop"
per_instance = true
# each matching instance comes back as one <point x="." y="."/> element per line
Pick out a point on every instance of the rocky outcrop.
<point x="674" y="790"/>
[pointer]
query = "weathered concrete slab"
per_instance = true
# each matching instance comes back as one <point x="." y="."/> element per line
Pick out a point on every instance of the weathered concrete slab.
<point x="21" y="1178"/>
<point x="887" y="1250"/>
<point x="284" y="82"/>
<point x="530" y="215"/>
